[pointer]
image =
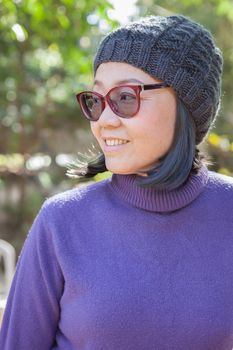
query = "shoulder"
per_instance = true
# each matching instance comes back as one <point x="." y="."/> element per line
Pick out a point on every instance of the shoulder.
<point x="79" y="197"/>
<point x="220" y="182"/>
<point x="219" y="187"/>
<point x="215" y="202"/>
<point x="65" y="217"/>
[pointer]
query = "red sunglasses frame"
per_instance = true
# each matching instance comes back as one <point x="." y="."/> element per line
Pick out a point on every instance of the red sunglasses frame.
<point x="137" y="89"/>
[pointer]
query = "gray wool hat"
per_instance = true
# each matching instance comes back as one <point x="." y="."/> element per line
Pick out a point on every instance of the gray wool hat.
<point x="178" y="51"/>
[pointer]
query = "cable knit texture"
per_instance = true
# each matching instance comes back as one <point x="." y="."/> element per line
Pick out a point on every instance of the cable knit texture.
<point x="111" y="266"/>
<point x="178" y="51"/>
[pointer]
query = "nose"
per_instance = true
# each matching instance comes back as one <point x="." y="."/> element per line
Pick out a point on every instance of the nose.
<point x="109" y="118"/>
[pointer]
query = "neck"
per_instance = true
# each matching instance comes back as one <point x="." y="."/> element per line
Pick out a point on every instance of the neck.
<point x="159" y="200"/>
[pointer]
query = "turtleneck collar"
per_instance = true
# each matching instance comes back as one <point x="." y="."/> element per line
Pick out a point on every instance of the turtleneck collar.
<point x="159" y="200"/>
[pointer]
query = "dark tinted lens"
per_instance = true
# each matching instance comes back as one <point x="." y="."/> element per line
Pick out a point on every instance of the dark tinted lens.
<point x="124" y="101"/>
<point x="91" y="105"/>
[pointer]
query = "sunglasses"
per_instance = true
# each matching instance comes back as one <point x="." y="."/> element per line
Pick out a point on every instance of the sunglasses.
<point x="123" y="100"/>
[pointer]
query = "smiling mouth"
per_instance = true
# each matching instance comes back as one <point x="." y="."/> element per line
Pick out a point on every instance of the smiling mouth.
<point x="115" y="142"/>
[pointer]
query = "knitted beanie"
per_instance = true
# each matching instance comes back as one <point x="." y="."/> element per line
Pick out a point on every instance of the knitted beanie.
<point x="178" y="51"/>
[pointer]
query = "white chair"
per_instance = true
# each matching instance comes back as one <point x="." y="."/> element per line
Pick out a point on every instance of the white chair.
<point x="8" y="256"/>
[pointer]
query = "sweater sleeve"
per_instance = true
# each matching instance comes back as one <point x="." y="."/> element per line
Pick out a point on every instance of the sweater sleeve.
<point x="32" y="312"/>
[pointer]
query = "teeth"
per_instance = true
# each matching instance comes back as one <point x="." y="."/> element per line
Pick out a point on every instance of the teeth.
<point x="115" y="142"/>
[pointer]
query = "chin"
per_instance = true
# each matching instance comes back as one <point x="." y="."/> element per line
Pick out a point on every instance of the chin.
<point x="116" y="170"/>
<point x="126" y="171"/>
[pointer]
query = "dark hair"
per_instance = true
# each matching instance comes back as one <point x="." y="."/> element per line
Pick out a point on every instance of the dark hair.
<point x="172" y="170"/>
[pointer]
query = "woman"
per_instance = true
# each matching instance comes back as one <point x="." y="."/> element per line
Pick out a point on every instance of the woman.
<point x="143" y="260"/>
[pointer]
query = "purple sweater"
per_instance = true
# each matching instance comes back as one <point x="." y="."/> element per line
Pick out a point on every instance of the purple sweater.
<point x="112" y="266"/>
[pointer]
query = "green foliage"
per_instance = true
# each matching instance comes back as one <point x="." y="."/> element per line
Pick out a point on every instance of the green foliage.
<point x="47" y="48"/>
<point x="103" y="176"/>
<point x="220" y="148"/>
<point x="46" y="57"/>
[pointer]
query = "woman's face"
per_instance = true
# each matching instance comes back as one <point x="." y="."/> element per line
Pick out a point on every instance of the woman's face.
<point x="149" y="133"/>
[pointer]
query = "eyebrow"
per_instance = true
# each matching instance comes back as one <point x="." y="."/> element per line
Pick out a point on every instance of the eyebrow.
<point x="119" y="82"/>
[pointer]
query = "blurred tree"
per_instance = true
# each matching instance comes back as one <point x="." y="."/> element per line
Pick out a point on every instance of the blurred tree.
<point x="46" y="50"/>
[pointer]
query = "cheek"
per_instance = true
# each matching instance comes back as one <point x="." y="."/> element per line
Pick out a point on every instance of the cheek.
<point x="161" y="117"/>
<point x="156" y="131"/>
